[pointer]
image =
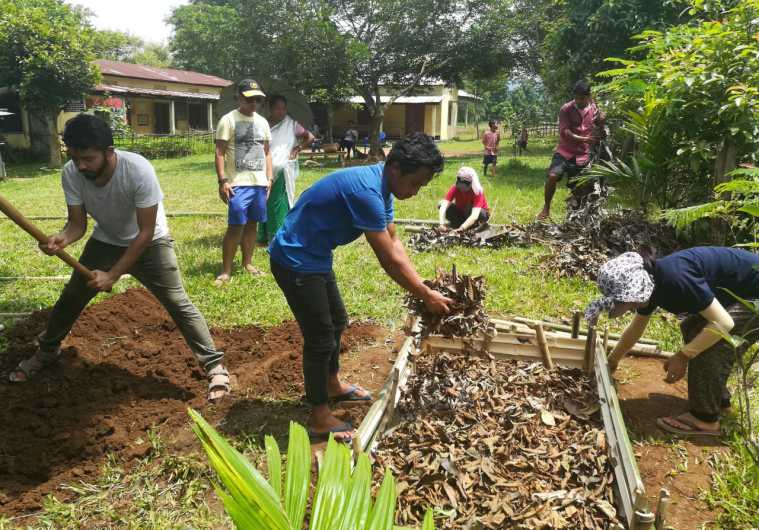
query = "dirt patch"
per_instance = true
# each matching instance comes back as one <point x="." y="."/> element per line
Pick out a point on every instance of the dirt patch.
<point x="125" y="369"/>
<point x="681" y="466"/>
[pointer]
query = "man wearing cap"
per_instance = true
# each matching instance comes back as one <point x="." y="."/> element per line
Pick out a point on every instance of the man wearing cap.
<point x="244" y="172"/>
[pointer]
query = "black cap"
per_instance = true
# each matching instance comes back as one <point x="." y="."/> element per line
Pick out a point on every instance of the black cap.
<point x="249" y="88"/>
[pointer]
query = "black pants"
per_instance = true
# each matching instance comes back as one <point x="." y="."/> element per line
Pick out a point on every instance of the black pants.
<point x="317" y="306"/>
<point x="709" y="371"/>
<point x="457" y="217"/>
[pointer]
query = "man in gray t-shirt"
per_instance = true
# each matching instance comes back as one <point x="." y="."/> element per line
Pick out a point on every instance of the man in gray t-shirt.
<point x="120" y="191"/>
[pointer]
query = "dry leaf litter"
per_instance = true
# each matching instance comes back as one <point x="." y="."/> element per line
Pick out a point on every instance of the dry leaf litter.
<point x="467" y="316"/>
<point x="587" y="238"/>
<point x="499" y="444"/>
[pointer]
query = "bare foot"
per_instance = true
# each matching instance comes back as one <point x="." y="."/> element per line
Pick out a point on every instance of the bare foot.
<point x="545" y="214"/>
<point x="253" y="271"/>
<point x="221" y="279"/>
<point x="337" y="388"/>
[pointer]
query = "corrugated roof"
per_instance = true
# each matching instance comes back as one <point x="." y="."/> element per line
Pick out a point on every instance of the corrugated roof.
<point x="170" y="75"/>
<point x="117" y="89"/>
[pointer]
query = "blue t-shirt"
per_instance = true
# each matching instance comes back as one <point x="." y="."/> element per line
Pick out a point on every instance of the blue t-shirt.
<point x="688" y="281"/>
<point x="333" y="212"/>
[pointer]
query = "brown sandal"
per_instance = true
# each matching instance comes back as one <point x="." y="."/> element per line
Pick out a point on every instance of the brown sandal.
<point x="218" y="379"/>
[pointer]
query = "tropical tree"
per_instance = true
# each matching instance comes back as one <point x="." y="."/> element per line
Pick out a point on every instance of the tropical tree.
<point x="46" y="53"/>
<point x="342" y="499"/>
<point x="694" y="100"/>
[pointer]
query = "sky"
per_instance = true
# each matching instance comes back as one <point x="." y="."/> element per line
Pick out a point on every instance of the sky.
<point x="144" y="18"/>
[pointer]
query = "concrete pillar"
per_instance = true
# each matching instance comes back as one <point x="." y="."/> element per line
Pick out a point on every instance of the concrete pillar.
<point x="172" y="118"/>
<point x="466" y="114"/>
<point x="210" y="117"/>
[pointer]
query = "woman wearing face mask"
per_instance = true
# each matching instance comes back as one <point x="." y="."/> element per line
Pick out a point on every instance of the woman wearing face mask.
<point x="694" y="282"/>
<point x="464" y="204"/>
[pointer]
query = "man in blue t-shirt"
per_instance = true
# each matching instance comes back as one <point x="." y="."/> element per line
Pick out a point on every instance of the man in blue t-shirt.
<point x="336" y="210"/>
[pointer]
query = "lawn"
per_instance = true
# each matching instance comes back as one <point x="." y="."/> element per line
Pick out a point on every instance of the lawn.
<point x="516" y="285"/>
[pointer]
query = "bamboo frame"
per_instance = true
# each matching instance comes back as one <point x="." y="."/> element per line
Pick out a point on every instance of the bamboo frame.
<point x="523" y="343"/>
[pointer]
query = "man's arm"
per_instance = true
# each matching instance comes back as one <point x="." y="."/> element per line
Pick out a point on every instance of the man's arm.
<point x="225" y="188"/>
<point x="306" y="139"/>
<point x="73" y="231"/>
<point x="566" y="131"/>
<point x="269" y="168"/>
<point x="146" y="218"/>
<point x="393" y="258"/>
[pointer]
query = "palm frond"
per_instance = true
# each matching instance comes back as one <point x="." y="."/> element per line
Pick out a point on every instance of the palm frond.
<point x="682" y="218"/>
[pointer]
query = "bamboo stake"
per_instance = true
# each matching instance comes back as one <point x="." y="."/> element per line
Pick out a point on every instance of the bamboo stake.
<point x="661" y="509"/>
<point x="543" y="345"/>
<point x="14" y="315"/>
<point x="606" y="340"/>
<point x="576" y="325"/>
<point x="590" y="346"/>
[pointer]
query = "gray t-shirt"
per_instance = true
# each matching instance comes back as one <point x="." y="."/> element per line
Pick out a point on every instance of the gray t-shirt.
<point x="133" y="185"/>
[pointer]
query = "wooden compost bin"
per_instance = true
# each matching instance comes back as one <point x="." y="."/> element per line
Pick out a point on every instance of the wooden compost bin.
<point x="518" y="341"/>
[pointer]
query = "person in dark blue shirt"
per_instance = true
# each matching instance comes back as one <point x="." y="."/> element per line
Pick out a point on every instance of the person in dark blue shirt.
<point x="701" y="282"/>
<point x="334" y="211"/>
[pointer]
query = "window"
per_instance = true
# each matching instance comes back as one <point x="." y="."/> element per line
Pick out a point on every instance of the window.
<point x="180" y="110"/>
<point x="199" y="116"/>
<point x="11" y="124"/>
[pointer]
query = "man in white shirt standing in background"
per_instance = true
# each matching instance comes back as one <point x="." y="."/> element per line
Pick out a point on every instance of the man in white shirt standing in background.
<point x="244" y="171"/>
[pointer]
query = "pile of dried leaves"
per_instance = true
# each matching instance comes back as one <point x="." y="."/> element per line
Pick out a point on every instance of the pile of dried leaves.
<point x="467" y="316"/>
<point x="586" y="239"/>
<point x="435" y="239"/>
<point x="499" y="444"/>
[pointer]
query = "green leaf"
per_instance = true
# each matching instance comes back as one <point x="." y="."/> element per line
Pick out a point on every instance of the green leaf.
<point x="249" y="491"/>
<point x="383" y="511"/>
<point x="274" y="464"/>
<point x="429" y="522"/>
<point x="297" y="475"/>
<point x="751" y="209"/>
<point x="330" y="495"/>
<point x="356" y="510"/>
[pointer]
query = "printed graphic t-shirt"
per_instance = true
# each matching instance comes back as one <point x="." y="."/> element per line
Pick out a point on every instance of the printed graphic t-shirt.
<point x="133" y="185"/>
<point x="333" y="212"/>
<point x="244" y="160"/>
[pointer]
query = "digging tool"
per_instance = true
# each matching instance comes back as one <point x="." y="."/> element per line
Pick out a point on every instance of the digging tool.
<point x="18" y="218"/>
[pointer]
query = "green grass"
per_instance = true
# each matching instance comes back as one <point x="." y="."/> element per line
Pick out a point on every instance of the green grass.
<point x="516" y="285"/>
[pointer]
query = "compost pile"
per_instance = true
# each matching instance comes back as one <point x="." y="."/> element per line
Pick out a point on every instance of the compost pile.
<point x="587" y="238"/>
<point x="434" y="238"/>
<point x="467" y="316"/>
<point x="592" y="235"/>
<point x="499" y="444"/>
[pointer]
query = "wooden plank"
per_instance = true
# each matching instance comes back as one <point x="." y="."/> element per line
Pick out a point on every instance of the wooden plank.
<point x="575" y="325"/>
<point x="590" y="347"/>
<point x="525" y="351"/>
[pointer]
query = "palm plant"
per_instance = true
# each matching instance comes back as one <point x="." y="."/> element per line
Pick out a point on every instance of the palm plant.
<point x="342" y="499"/>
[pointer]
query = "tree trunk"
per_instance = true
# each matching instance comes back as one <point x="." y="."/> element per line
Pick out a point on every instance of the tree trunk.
<point x="53" y="141"/>
<point x="375" y="124"/>
<point x="723" y="165"/>
<point x="330" y="122"/>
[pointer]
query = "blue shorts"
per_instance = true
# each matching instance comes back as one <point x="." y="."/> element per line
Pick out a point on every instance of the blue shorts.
<point x="247" y="205"/>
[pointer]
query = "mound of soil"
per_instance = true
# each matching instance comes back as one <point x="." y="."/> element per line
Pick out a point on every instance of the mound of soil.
<point x="125" y="369"/>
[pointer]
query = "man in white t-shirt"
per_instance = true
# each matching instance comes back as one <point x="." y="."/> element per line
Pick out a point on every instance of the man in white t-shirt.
<point x="244" y="171"/>
<point x="120" y="191"/>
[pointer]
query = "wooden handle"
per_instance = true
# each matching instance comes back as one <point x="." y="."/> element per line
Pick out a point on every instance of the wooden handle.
<point x="18" y="218"/>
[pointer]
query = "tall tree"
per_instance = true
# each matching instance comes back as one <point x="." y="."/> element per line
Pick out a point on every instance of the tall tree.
<point x="380" y="48"/>
<point x="46" y="53"/>
<point x="128" y="48"/>
<point x="570" y="39"/>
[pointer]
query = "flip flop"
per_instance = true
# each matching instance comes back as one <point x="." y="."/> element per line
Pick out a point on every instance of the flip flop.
<point x="350" y="395"/>
<point x="315" y="436"/>
<point x="221" y="280"/>
<point x="688" y="428"/>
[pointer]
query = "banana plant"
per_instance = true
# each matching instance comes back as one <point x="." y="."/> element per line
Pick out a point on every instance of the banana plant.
<point x="342" y="499"/>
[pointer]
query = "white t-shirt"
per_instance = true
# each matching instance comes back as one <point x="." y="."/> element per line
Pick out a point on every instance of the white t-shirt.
<point x="245" y="159"/>
<point x="133" y="185"/>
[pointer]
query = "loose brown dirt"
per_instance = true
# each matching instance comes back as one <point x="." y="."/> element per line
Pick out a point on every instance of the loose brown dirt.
<point x="665" y="461"/>
<point x="126" y="369"/>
